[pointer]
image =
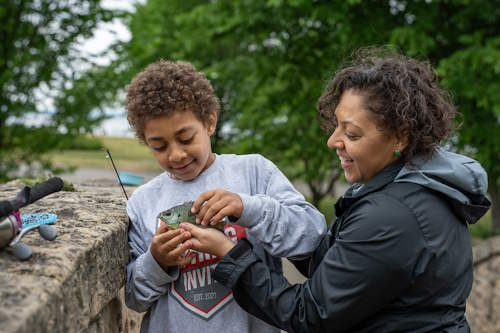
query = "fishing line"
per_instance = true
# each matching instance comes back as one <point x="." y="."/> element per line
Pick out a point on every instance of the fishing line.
<point x="108" y="156"/>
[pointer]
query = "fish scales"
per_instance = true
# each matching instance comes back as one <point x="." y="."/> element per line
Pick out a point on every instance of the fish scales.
<point x="182" y="213"/>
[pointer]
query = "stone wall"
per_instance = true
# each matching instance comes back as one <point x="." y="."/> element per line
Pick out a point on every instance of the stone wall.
<point x="75" y="283"/>
<point x="71" y="284"/>
<point x="483" y="307"/>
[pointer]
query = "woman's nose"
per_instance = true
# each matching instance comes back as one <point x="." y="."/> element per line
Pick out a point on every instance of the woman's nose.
<point x="333" y="142"/>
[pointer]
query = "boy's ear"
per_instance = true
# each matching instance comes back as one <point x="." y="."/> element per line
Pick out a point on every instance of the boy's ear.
<point x="212" y="122"/>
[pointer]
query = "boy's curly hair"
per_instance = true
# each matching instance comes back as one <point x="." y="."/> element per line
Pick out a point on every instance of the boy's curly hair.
<point x="164" y="87"/>
<point x="402" y="93"/>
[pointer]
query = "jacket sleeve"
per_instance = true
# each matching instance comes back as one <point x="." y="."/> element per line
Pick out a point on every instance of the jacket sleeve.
<point x="376" y="256"/>
<point x="281" y="220"/>
<point x="307" y="264"/>
<point x="146" y="279"/>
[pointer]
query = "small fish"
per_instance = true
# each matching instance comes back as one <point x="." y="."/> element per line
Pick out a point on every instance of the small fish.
<point x="182" y="213"/>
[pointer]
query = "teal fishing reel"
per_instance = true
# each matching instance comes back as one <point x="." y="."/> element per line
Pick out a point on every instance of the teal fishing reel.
<point x="14" y="225"/>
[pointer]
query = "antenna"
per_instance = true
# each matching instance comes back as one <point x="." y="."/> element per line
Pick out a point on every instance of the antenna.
<point x="108" y="156"/>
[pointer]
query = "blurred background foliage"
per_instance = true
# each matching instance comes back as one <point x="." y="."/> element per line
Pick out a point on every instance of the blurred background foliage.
<point x="37" y="58"/>
<point x="268" y="61"/>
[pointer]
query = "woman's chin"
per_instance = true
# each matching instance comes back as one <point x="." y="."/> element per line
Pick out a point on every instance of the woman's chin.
<point x="350" y="178"/>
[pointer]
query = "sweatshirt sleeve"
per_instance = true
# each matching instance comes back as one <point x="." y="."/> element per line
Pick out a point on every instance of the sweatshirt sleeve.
<point x="146" y="279"/>
<point x="280" y="219"/>
<point x="358" y="275"/>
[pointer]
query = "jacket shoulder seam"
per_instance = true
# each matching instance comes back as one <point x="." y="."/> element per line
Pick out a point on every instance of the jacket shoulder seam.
<point x="403" y="202"/>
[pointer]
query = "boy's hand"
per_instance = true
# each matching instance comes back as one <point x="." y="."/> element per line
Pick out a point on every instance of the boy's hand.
<point x="168" y="247"/>
<point x="212" y="206"/>
<point x="208" y="240"/>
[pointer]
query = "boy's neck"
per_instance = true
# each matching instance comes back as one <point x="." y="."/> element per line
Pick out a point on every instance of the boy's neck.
<point x="210" y="161"/>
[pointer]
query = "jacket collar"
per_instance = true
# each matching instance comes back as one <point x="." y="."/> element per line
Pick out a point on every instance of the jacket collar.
<point x="357" y="191"/>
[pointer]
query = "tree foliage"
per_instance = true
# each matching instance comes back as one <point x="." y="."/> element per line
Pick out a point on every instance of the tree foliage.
<point x="37" y="55"/>
<point x="269" y="61"/>
<point x="462" y="39"/>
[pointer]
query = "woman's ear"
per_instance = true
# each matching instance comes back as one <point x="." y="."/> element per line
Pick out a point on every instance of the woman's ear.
<point x="402" y="142"/>
<point x="212" y="122"/>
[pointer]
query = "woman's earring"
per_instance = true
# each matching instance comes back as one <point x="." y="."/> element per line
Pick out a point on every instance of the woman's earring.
<point x="397" y="153"/>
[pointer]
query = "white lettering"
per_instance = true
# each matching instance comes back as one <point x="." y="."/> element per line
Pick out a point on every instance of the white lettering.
<point x="191" y="280"/>
<point x="198" y="278"/>
<point x="201" y="273"/>
<point x="184" y="276"/>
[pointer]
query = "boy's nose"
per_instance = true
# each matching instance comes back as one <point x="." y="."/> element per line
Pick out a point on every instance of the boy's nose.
<point x="177" y="155"/>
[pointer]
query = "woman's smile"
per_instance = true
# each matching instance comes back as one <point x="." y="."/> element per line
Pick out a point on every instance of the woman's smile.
<point x="345" y="162"/>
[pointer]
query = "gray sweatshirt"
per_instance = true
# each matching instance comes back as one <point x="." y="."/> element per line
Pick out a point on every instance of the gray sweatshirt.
<point x="276" y="218"/>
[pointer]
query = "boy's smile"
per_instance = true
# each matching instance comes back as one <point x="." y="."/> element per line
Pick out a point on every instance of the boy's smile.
<point x="180" y="143"/>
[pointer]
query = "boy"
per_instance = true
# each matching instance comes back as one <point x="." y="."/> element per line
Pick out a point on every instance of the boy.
<point x="173" y="110"/>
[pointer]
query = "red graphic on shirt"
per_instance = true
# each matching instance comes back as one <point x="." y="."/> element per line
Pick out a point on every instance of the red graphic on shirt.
<point x="196" y="290"/>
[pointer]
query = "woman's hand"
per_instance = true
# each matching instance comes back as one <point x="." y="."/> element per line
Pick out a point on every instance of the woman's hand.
<point x="212" y="206"/>
<point x="208" y="240"/>
<point x="168" y="247"/>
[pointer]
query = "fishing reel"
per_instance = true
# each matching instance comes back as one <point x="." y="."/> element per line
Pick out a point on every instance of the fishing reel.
<point x="14" y="226"/>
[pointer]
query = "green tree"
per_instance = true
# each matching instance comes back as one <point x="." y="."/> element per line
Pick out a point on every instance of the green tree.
<point x="269" y="60"/>
<point x="472" y="73"/>
<point x="37" y="55"/>
<point x="462" y="39"/>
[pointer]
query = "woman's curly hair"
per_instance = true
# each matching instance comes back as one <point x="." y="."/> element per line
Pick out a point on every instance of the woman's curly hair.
<point x="164" y="87"/>
<point x="403" y="94"/>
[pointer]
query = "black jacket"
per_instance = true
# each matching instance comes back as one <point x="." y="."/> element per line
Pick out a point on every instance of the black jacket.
<point x="398" y="258"/>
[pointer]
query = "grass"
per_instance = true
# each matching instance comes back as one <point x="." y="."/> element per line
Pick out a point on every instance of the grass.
<point x="128" y="155"/>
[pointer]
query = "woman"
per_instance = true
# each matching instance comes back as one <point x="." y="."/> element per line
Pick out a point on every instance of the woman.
<point x="398" y="256"/>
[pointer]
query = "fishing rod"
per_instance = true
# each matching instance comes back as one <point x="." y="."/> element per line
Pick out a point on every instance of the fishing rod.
<point x="108" y="156"/>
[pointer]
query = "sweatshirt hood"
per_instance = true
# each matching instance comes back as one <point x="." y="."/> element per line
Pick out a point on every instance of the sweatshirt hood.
<point x="460" y="178"/>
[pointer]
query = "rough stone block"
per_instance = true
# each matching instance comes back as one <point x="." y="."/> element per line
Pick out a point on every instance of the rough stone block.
<point x="69" y="282"/>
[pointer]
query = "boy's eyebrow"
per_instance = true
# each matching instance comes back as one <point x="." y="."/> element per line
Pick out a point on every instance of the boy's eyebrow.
<point x="183" y="130"/>
<point x="179" y="132"/>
